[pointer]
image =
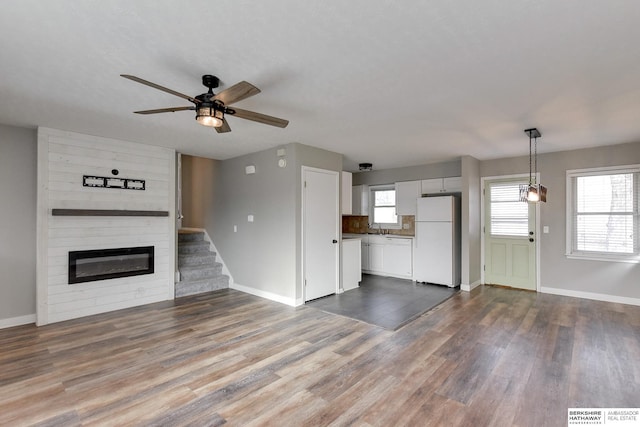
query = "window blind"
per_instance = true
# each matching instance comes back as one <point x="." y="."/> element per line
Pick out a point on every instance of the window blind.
<point x="509" y="216"/>
<point x="605" y="213"/>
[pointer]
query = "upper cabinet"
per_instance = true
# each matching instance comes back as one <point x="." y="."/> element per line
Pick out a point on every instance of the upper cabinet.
<point x="452" y="184"/>
<point x="407" y="192"/>
<point x="442" y="185"/>
<point x="346" y="193"/>
<point x="360" y="200"/>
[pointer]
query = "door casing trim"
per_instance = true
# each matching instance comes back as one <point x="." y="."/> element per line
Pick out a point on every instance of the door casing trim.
<point x="483" y="181"/>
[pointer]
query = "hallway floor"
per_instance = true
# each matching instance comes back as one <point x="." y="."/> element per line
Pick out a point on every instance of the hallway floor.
<point x="385" y="301"/>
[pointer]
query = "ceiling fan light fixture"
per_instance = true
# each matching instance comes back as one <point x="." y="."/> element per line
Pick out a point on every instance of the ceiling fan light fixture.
<point x="208" y="115"/>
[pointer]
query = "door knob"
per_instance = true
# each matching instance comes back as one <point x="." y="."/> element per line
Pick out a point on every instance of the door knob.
<point x="335" y="241"/>
<point x="531" y="239"/>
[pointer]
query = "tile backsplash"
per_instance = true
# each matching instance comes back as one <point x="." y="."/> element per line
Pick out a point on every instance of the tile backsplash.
<point x="356" y="224"/>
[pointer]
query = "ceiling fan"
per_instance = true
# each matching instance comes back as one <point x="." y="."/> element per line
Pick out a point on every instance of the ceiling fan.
<point x="212" y="108"/>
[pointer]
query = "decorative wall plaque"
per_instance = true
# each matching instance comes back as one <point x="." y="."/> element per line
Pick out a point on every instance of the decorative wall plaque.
<point x="111" y="182"/>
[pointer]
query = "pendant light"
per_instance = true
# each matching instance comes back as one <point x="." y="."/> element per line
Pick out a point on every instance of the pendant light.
<point x="533" y="192"/>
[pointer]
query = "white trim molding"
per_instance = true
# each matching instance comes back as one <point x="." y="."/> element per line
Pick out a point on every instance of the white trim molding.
<point x="17" y="321"/>
<point x="264" y="294"/>
<point x="469" y="288"/>
<point x="590" y="295"/>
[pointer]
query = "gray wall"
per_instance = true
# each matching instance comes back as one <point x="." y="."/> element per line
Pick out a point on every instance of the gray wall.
<point x="261" y="254"/>
<point x="18" y="189"/>
<point x="266" y="254"/>
<point x="198" y="191"/>
<point x="411" y="173"/>
<point x="470" y="229"/>
<point x="557" y="271"/>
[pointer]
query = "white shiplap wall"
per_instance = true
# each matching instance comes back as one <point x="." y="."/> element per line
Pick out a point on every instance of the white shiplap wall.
<point x="63" y="158"/>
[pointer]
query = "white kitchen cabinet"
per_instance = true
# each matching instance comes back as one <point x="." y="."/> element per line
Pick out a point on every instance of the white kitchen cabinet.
<point x="351" y="267"/>
<point x="364" y="253"/>
<point x="407" y="192"/>
<point x="387" y="255"/>
<point x="442" y="185"/>
<point x="397" y="257"/>
<point x="452" y="184"/>
<point x="376" y="256"/>
<point x="360" y="200"/>
<point x="430" y="186"/>
<point x="347" y="179"/>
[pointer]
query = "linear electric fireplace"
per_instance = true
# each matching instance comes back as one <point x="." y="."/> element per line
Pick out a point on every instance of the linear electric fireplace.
<point x="101" y="264"/>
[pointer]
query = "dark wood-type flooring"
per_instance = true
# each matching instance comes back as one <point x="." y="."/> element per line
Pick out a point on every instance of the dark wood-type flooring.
<point x="495" y="357"/>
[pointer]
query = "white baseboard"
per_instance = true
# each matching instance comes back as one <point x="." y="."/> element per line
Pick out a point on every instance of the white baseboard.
<point x="590" y="295"/>
<point x="17" y="321"/>
<point x="264" y="294"/>
<point x="469" y="288"/>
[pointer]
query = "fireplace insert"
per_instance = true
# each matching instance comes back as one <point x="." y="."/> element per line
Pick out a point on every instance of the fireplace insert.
<point x="101" y="264"/>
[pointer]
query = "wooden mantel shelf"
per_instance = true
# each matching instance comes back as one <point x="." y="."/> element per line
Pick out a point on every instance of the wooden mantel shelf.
<point x="105" y="212"/>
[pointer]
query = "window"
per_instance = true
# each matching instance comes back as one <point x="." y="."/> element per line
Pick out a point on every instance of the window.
<point x="509" y="216"/>
<point x="602" y="213"/>
<point x="383" y="206"/>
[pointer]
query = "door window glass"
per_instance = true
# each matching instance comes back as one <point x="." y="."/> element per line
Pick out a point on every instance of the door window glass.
<point x="509" y="216"/>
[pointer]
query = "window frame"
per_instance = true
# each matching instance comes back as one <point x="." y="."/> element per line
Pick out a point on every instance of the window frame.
<point x="571" y="214"/>
<point x="372" y="205"/>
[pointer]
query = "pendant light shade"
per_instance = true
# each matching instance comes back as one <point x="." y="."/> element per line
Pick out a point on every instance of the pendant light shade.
<point x="533" y="192"/>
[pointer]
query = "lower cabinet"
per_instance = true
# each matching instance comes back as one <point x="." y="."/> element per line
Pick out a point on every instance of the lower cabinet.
<point x="364" y="252"/>
<point x="351" y="268"/>
<point x="387" y="256"/>
<point x="376" y="257"/>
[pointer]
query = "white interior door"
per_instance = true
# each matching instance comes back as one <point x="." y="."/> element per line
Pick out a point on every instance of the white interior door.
<point x="510" y="236"/>
<point x="320" y="233"/>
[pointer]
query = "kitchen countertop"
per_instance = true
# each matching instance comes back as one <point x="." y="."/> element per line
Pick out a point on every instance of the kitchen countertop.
<point x="357" y="236"/>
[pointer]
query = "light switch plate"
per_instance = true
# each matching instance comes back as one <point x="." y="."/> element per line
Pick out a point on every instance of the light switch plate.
<point x="250" y="218"/>
<point x="545" y="229"/>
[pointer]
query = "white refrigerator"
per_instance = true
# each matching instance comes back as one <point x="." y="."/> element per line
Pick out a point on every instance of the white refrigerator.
<point x="436" y="252"/>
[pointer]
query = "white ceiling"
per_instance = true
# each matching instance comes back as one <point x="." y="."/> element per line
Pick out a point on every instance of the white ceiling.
<point x="388" y="82"/>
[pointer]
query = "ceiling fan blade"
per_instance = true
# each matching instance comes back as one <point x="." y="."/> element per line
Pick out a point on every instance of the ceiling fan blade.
<point x="162" y="88"/>
<point x="237" y="92"/>
<point x="165" y="110"/>
<point x="258" y="117"/>
<point x="224" y="128"/>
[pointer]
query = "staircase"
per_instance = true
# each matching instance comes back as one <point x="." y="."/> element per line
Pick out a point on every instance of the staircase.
<point x="199" y="271"/>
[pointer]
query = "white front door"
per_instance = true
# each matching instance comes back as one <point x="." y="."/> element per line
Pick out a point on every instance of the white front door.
<point x="320" y="232"/>
<point x="509" y="235"/>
